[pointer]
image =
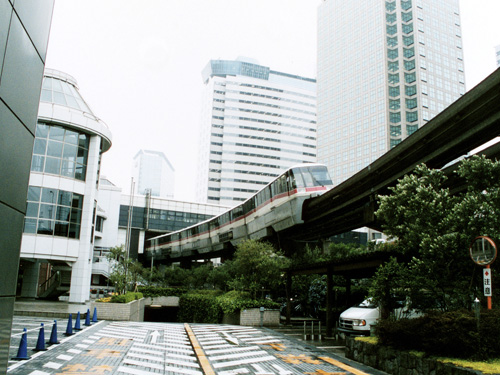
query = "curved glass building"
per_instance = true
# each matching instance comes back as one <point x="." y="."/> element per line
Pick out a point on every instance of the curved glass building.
<point x="57" y="243"/>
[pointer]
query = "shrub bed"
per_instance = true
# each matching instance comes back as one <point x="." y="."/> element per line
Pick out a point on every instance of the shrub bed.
<point x="199" y="307"/>
<point x="235" y="301"/>
<point x="126" y="298"/>
<point x="449" y="334"/>
<point x="154" y="291"/>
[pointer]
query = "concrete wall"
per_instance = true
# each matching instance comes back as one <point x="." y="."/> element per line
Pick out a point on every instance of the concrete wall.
<point x="251" y="317"/>
<point x="396" y="362"/>
<point x="24" y="34"/>
<point x="132" y="311"/>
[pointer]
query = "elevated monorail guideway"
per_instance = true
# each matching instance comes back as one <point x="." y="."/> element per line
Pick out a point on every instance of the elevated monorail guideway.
<point x="300" y="206"/>
<point x="468" y="123"/>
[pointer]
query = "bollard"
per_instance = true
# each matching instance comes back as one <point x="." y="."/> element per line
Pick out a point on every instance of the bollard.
<point x="94" y="317"/>
<point x="305" y="335"/>
<point x="40" y="344"/>
<point x="87" y="318"/>
<point x="53" y="334"/>
<point x="312" y="330"/>
<point x="69" y="328"/>
<point x="77" y="322"/>
<point x="22" y="352"/>
<point x="320" y="336"/>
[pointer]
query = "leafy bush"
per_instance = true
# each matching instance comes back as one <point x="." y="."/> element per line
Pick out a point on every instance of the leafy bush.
<point x="126" y="298"/>
<point x="450" y="334"/>
<point x="236" y="300"/>
<point x="199" y="307"/>
<point x="154" y="291"/>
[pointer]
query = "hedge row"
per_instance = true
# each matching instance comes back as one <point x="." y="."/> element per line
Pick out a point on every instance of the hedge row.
<point x="203" y="307"/>
<point x="126" y="298"/>
<point x="153" y="291"/>
<point x="449" y="334"/>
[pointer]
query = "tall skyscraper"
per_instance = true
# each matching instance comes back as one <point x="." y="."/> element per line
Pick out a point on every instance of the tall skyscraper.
<point x="153" y="172"/>
<point x="255" y="123"/>
<point x="385" y="68"/>
<point x="497" y="55"/>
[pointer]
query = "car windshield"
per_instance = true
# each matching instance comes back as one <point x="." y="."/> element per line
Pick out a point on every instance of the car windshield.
<point x="367" y="304"/>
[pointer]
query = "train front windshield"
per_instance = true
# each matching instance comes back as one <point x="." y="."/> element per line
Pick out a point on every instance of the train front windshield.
<point x="312" y="176"/>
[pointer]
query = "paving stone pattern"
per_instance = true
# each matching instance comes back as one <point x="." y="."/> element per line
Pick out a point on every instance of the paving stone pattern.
<point x="145" y="348"/>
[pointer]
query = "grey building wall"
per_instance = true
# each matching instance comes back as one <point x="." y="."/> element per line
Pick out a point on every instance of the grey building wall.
<point x="24" y="33"/>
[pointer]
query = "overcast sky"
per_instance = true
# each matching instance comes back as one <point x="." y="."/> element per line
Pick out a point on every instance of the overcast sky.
<point x="138" y="63"/>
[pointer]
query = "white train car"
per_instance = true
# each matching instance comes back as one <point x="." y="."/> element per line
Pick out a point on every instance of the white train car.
<point x="276" y="207"/>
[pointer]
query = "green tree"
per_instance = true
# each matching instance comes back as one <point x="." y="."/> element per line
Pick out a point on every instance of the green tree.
<point x="256" y="267"/>
<point x="434" y="229"/>
<point x="119" y="276"/>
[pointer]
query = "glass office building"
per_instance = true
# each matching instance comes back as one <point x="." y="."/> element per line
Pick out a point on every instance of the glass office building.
<point x="62" y="195"/>
<point x="24" y="35"/>
<point x="256" y="122"/>
<point x="384" y="70"/>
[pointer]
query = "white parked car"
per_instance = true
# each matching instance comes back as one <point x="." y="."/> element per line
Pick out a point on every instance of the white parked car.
<point x="357" y="320"/>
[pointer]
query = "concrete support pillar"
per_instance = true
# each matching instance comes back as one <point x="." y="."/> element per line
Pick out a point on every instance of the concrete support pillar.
<point x="81" y="270"/>
<point x="329" y="303"/>
<point x="31" y="272"/>
<point x="288" y="297"/>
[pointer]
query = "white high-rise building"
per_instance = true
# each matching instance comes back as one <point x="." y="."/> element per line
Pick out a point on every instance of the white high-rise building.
<point x="153" y="172"/>
<point x="497" y="55"/>
<point x="385" y="68"/>
<point x="255" y="123"/>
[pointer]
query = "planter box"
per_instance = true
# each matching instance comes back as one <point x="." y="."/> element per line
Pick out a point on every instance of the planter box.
<point x="251" y="317"/>
<point x="132" y="311"/>
<point x="394" y="362"/>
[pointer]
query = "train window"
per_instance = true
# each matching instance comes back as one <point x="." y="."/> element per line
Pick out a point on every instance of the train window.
<point x="319" y="176"/>
<point x="237" y="212"/>
<point x="224" y="218"/>
<point x="282" y="183"/>
<point x="249" y="205"/>
<point x="267" y="193"/>
<point x="290" y="180"/>
<point x="298" y="179"/>
<point x="274" y="188"/>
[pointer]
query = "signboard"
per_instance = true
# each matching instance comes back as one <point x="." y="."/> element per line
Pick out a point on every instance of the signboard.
<point x="487" y="282"/>
<point x="483" y="251"/>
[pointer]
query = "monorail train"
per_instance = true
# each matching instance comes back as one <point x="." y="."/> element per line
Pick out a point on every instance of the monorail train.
<point x="278" y="206"/>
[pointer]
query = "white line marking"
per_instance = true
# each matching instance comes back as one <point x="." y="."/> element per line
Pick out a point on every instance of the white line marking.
<point x="74" y="351"/>
<point x="281" y="370"/>
<point x="83" y="346"/>
<point x="169" y="348"/>
<point x="242" y="370"/>
<point x="163" y="353"/>
<point x="158" y="359"/>
<point x="261" y="371"/>
<point x="240" y="349"/>
<point x="243" y="362"/>
<point x="237" y="355"/>
<point x="53" y="365"/>
<point x="157" y="367"/>
<point x="36" y="372"/>
<point x="63" y="357"/>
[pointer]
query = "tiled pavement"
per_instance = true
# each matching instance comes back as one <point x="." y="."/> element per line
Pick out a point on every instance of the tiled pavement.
<point x="172" y="348"/>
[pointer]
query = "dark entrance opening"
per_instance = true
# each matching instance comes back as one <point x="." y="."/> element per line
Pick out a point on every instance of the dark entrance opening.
<point x="158" y="313"/>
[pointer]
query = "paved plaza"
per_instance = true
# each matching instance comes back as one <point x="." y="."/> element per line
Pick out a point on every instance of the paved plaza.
<point x="144" y="348"/>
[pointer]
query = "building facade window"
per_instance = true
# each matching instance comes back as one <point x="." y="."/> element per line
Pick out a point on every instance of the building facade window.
<point x="60" y="151"/>
<point x="395" y="131"/>
<point x="393" y="78"/>
<point x="394" y="91"/>
<point x="395" y="117"/>
<point x="53" y="212"/>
